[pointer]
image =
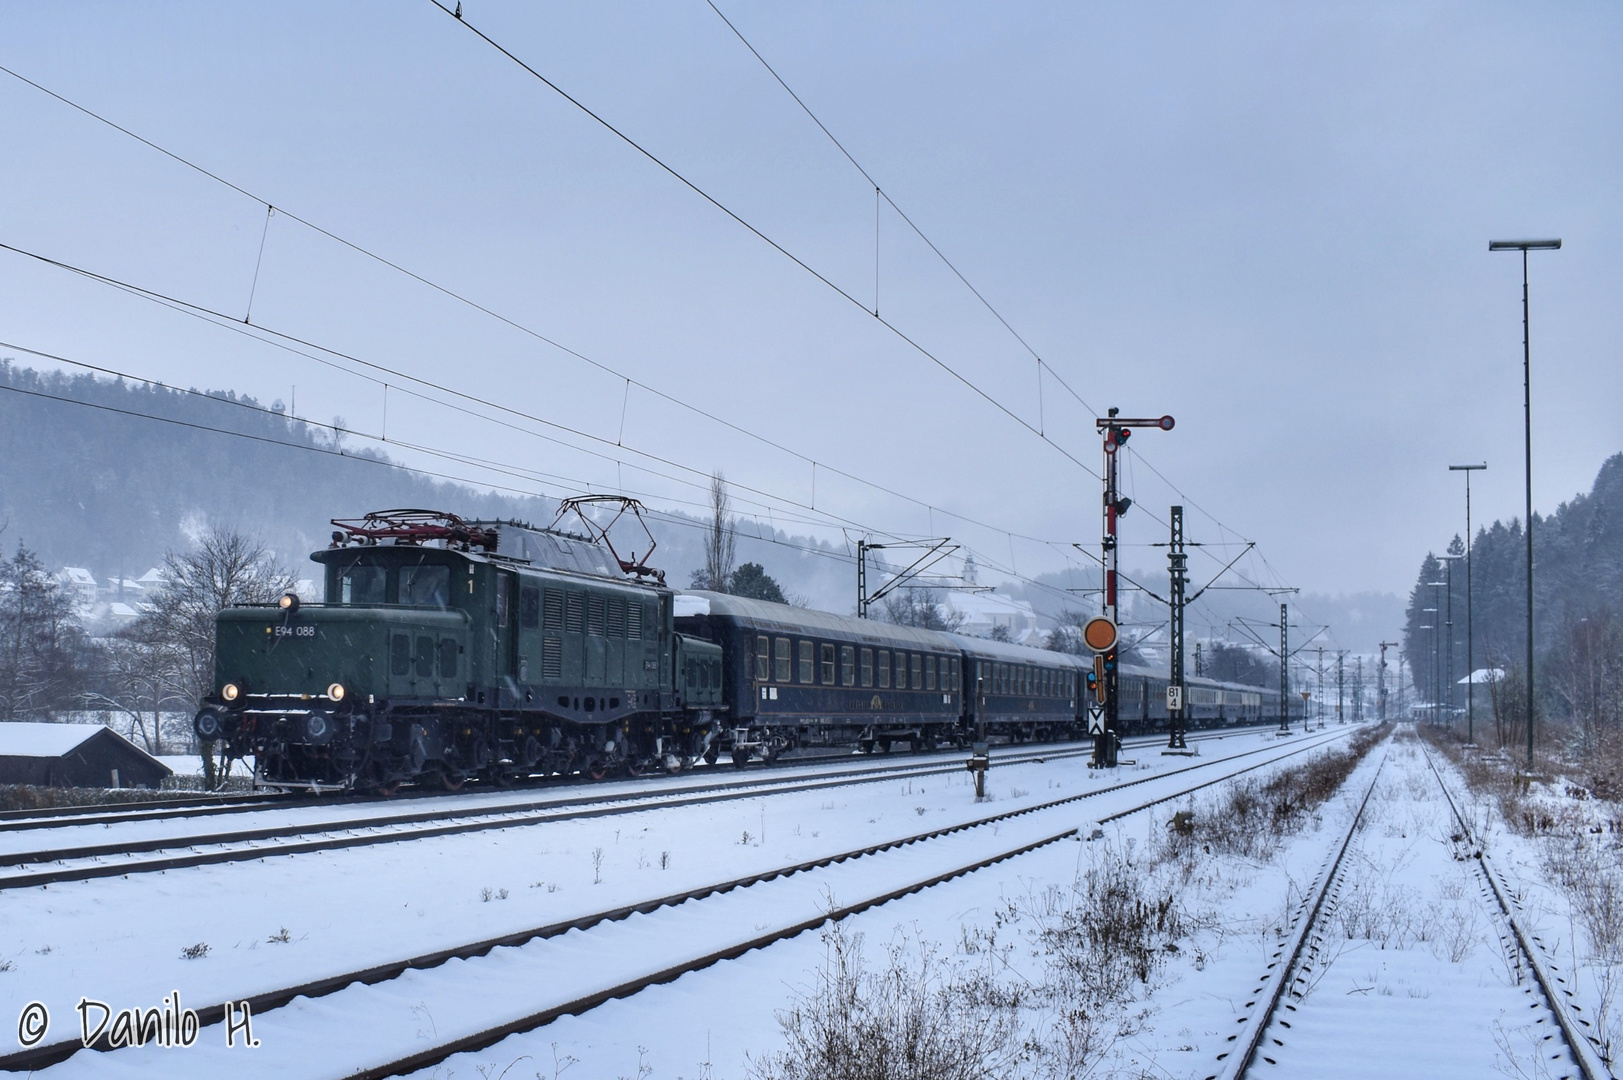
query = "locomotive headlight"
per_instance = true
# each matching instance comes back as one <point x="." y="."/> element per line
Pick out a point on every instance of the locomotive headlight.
<point x="336" y="691"/>
<point x="316" y="726"/>
<point x="231" y="692"/>
<point x="288" y="602"/>
<point x="207" y="725"/>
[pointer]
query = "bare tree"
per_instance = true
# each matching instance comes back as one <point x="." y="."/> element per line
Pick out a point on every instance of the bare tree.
<point x="923" y="608"/>
<point x="223" y="569"/>
<point x="144" y="673"/>
<point x="721" y="538"/>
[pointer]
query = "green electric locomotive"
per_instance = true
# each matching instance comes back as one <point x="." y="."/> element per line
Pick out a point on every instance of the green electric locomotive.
<point x="449" y="649"/>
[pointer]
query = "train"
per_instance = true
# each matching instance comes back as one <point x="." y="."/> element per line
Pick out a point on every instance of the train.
<point x="450" y="649"/>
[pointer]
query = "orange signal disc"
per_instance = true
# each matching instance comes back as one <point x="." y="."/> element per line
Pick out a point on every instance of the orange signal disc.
<point x="1099" y="634"/>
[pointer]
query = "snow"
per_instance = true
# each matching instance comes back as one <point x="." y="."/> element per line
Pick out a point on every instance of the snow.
<point x="21" y="738"/>
<point x="280" y="921"/>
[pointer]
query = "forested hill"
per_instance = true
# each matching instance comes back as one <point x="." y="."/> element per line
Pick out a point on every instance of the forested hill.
<point x="112" y="490"/>
<point x="1578" y="574"/>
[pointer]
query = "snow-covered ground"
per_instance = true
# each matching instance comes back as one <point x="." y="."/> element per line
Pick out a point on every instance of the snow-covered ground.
<point x="283" y="920"/>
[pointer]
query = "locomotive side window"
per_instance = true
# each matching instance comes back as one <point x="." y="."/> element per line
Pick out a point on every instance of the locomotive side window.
<point x="763" y="657"/>
<point x="780" y="660"/>
<point x="362" y="585"/>
<point x="884" y="669"/>
<point x="501" y="599"/>
<point x="805" y="661"/>
<point x="448" y="650"/>
<point x="400" y="655"/>
<point x="529" y="607"/>
<point x="867" y="667"/>
<point x="929" y="673"/>
<point x="425" y="657"/>
<point x="848" y="665"/>
<point x="575" y="614"/>
<point x="918" y="674"/>
<point x="425" y="586"/>
<point x="553" y="610"/>
<point x="828" y="665"/>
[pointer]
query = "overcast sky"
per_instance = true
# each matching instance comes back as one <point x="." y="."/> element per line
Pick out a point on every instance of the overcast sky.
<point x="1269" y="220"/>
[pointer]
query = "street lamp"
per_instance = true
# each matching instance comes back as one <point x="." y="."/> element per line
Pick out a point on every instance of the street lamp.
<point x="1524" y="246"/>
<point x="1470" y="651"/>
<point x="1448" y="656"/>
<point x="1437" y="650"/>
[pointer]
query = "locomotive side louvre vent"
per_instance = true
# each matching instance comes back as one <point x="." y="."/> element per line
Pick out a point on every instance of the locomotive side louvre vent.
<point x="634" y="621"/>
<point x="400" y="655"/>
<point x="552" y="659"/>
<point x="617" y="617"/>
<point x="553" y="614"/>
<point x="595" y="615"/>
<point x="575" y="616"/>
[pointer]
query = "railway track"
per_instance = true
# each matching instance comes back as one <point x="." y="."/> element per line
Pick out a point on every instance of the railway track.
<point x="573" y="965"/>
<point x="201" y="805"/>
<point x="77" y="858"/>
<point x="1289" y="973"/>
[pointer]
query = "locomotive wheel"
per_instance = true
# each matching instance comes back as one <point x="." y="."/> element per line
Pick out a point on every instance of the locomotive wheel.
<point x="443" y="780"/>
<point x="596" y="769"/>
<point x="740" y="758"/>
<point x="712" y="754"/>
<point x="387" y="790"/>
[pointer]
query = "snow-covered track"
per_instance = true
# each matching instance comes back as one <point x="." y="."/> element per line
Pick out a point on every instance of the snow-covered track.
<point x="1557" y="996"/>
<point x="386" y="824"/>
<point x="1287" y="964"/>
<point x="1030" y="838"/>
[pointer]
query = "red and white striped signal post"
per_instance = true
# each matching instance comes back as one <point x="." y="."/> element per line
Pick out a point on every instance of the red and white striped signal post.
<point x="1104" y="712"/>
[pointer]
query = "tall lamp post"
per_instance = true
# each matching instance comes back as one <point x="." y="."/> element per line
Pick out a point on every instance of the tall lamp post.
<point x="1524" y="246"/>
<point x="1436" y="629"/>
<point x="1448" y="654"/>
<point x="1470" y="649"/>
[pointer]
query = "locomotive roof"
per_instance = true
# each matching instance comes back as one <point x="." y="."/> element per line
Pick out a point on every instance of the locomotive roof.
<point x="764" y="613"/>
<point x="553" y="550"/>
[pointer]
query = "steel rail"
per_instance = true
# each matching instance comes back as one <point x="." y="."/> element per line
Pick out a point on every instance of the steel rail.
<point x="614" y="805"/>
<point x="51" y="1053"/>
<point x="211" y="804"/>
<point x="1584" y="1046"/>
<point x="1282" y="969"/>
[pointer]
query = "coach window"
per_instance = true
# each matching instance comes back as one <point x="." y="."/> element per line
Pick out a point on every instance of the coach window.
<point x="827" y="659"/>
<point x="929" y="673"/>
<point x="916" y="662"/>
<point x="805" y="661"/>
<point x="867" y="667"/>
<point x="848" y="665"/>
<point x="901" y="671"/>
<point x="763" y="657"/>
<point x="884" y="669"/>
<point x="780" y="659"/>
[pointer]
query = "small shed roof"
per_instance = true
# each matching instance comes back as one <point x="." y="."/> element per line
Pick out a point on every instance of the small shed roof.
<point x="21" y="738"/>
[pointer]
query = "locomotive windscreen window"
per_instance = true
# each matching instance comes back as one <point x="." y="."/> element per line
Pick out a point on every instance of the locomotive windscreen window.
<point x="780" y="660"/>
<point x="929" y="673"/>
<point x="763" y="657"/>
<point x="552" y="610"/>
<point x="575" y="614"/>
<point x="884" y="669"/>
<point x="867" y="667"/>
<point x="425" y="586"/>
<point x="634" y="621"/>
<point x="917" y="663"/>
<point x="529" y="607"/>
<point x="425" y="657"/>
<point x="848" y="665"/>
<point x="448" y="658"/>
<point x="617" y="617"/>
<point x="595" y="615"/>
<point x="362" y="585"/>
<point x="828" y="665"/>
<point x="400" y="655"/>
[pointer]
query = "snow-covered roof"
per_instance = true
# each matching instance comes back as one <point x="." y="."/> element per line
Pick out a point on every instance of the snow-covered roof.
<point x="1482" y="675"/>
<point x="122" y="611"/>
<point x="20" y="738"/>
<point x="78" y="575"/>
<point x="155" y="576"/>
